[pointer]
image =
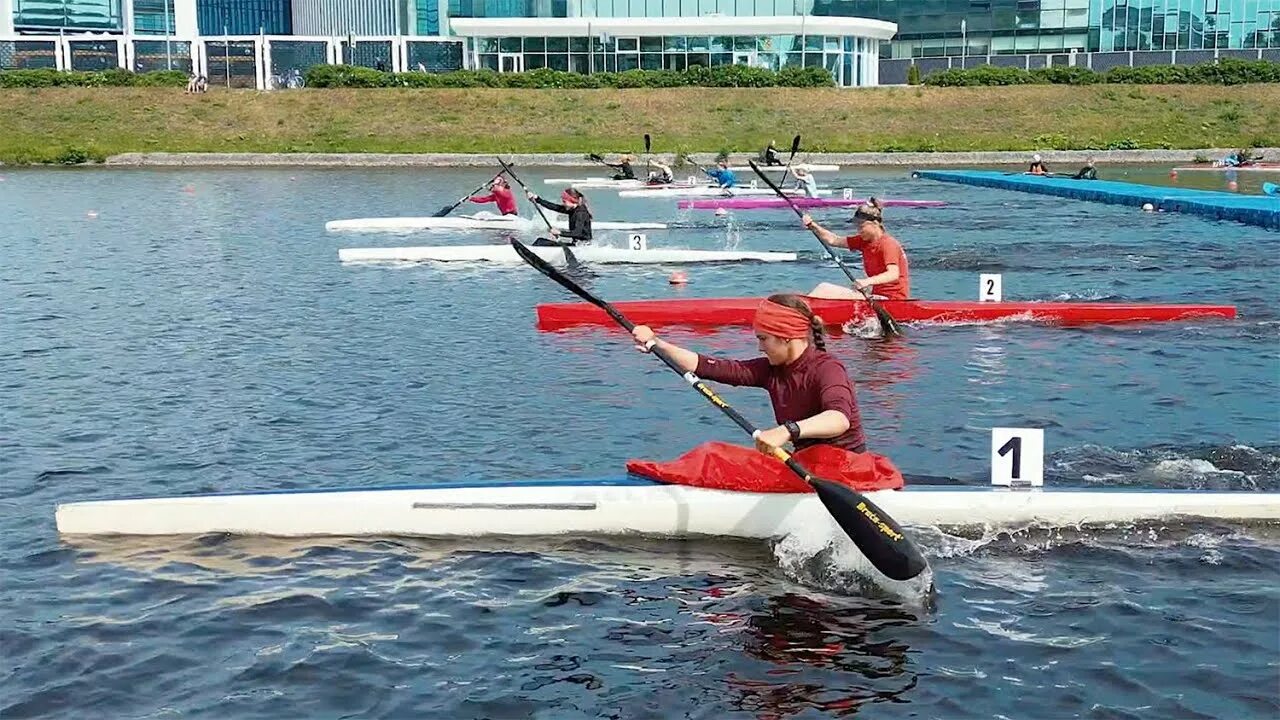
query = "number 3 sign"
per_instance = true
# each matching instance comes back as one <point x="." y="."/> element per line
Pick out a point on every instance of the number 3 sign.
<point x="1017" y="456"/>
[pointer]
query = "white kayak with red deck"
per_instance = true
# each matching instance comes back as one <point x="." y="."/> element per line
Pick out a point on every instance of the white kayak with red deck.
<point x="624" y="505"/>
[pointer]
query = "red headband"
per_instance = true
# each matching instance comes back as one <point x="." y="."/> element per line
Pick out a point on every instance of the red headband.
<point x="780" y="321"/>
<point x="568" y="197"/>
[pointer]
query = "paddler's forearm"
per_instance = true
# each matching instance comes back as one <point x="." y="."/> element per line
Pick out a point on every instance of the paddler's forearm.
<point x="826" y="424"/>
<point x="826" y="236"/>
<point x="887" y="276"/>
<point x="687" y="360"/>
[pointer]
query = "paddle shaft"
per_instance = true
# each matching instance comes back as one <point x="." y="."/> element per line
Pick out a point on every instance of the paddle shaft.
<point x="464" y="198"/>
<point x="800" y="213"/>
<point x="795" y="148"/>
<point x="515" y="177"/>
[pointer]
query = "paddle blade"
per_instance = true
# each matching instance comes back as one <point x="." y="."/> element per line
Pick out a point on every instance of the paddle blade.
<point x="445" y="210"/>
<point x="596" y="157"/>
<point x="876" y="534"/>
<point x="648" y="143"/>
<point x="888" y="325"/>
<point x="545" y="268"/>
<point x="795" y="145"/>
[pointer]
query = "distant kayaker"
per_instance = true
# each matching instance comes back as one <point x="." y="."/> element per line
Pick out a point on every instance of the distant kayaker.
<point x="1088" y="172"/>
<point x="806" y="182"/>
<point x="813" y="398"/>
<point x="662" y="175"/>
<point x="883" y="258"/>
<point x="623" y="166"/>
<point x="1037" y="166"/>
<point x="574" y="204"/>
<point x="1240" y="158"/>
<point x="771" y="156"/>
<point x="499" y="193"/>
<point x="722" y="175"/>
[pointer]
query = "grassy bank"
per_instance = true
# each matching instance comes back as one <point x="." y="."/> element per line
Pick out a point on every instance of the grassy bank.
<point x="46" y="125"/>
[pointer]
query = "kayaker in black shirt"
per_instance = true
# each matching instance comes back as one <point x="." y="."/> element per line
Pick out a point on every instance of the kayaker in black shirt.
<point x="575" y="206"/>
<point x="771" y="154"/>
<point x="625" y="171"/>
<point x="1088" y="172"/>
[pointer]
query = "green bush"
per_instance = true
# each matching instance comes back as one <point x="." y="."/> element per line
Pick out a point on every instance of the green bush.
<point x="1064" y="75"/>
<point x="1226" y="71"/>
<point x="115" y="77"/>
<point x="331" y="76"/>
<point x="74" y="156"/>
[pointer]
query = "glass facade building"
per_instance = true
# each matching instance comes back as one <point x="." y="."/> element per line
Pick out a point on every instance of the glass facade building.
<point x="87" y="15"/>
<point x="243" y="17"/>
<point x="848" y="48"/>
<point x="925" y="28"/>
<point x="933" y="28"/>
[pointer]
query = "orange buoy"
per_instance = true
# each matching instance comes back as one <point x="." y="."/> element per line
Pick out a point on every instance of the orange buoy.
<point x="679" y="277"/>
<point x="1173" y="174"/>
<point x="1232" y="185"/>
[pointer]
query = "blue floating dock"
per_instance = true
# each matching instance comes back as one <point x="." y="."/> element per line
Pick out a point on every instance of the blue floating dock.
<point x="1252" y="209"/>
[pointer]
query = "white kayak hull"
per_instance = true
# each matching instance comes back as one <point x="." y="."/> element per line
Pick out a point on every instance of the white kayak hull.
<point x="1265" y="167"/>
<point x="469" y="222"/>
<point x="603" y="183"/>
<point x="583" y="253"/>
<point x="707" y="191"/>
<point x="624" y="506"/>
<point x="813" y="168"/>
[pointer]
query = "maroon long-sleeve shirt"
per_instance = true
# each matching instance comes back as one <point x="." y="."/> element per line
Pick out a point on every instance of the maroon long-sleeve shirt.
<point x="814" y="383"/>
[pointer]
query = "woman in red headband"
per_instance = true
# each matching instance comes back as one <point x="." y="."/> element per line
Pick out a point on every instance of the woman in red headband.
<point x="812" y="395"/>
<point x="575" y="206"/>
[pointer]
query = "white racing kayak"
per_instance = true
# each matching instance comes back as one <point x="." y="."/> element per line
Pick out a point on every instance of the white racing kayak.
<point x="625" y="505"/>
<point x="706" y="191"/>
<point x="813" y="168"/>
<point x="582" y="253"/>
<point x="475" y="222"/>
<point x="610" y="184"/>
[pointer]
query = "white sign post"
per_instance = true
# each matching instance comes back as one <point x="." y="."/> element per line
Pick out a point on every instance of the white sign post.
<point x="638" y="241"/>
<point x="1017" y="457"/>
<point x="989" y="287"/>
<point x="847" y="194"/>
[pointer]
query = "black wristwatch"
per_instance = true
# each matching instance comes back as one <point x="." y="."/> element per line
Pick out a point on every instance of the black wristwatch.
<point x="793" y="429"/>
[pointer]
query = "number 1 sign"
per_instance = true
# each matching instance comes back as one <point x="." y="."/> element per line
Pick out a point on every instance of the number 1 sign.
<point x="1017" y="456"/>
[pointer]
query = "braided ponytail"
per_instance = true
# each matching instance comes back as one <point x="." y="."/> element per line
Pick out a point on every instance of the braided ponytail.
<point x="816" y="328"/>
<point x="819" y="333"/>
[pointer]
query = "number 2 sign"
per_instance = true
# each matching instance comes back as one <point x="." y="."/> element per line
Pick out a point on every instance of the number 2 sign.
<point x="1017" y="456"/>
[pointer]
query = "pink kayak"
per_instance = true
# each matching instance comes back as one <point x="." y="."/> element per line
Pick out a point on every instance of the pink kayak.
<point x="760" y="203"/>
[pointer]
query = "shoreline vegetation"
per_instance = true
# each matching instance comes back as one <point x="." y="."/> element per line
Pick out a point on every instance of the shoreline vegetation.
<point x="71" y="125"/>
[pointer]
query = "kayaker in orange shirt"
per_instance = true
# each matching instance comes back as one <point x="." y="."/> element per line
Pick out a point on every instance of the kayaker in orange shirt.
<point x="883" y="258"/>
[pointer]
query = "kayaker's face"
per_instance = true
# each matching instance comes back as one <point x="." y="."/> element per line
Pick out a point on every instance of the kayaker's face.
<point x="870" y="231"/>
<point x="777" y="350"/>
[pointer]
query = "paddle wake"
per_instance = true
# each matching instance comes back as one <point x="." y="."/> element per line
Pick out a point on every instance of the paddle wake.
<point x="817" y="554"/>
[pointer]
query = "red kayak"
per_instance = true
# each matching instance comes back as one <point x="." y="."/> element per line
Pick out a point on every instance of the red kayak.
<point x="715" y="312"/>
